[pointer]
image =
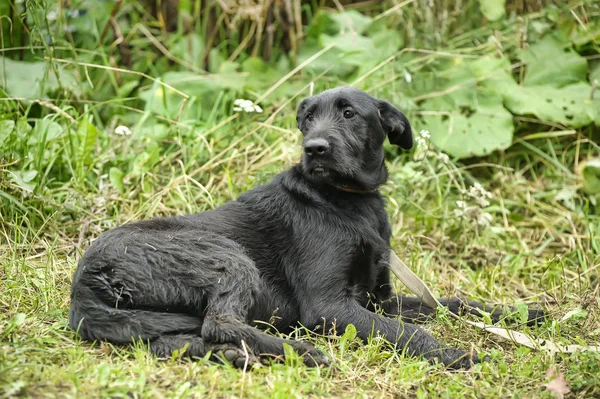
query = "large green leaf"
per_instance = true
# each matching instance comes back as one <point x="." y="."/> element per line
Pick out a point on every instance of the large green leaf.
<point x="45" y="130"/>
<point x="336" y="23"/>
<point x="33" y="80"/>
<point x="354" y="48"/>
<point x="570" y="105"/>
<point x="549" y="63"/>
<point x="478" y="132"/>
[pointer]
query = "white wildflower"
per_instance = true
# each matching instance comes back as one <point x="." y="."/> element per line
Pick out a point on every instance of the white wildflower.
<point x="421" y="144"/>
<point x="462" y="209"/>
<point x="52" y="15"/>
<point x="240" y="105"/>
<point x="479" y="195"/>
<point x="484" y="219"/>
<point x="443" y="157"/>
<point x="425" y="134"/>
<point x="122" y="131"/>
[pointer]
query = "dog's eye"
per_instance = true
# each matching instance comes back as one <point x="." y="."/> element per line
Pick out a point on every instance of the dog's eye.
<point x="348" y="114"/>
<point x="309" y="117"/>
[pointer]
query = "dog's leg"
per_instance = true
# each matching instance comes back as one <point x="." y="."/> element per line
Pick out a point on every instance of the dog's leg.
<point x="229" y="329"/>
<point x="226" y="319"/>
<point x="412" y="309"/>
<point x="406" y="336"/>
<point x="195" y="346"/>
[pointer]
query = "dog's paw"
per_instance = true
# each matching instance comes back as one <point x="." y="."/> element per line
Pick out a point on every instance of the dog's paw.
<point x="316" y="358"/>
<point x="312" y="356"/>
<point x="237" y="357"/>
<point x="458" y="359"/>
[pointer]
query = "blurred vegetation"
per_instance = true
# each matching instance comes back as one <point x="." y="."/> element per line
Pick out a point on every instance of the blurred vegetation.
<point x="115" y="110"/>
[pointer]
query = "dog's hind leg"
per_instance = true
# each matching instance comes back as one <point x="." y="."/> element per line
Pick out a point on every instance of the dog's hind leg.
<point x="227" y="315"/>
<point x="191" y="346"/>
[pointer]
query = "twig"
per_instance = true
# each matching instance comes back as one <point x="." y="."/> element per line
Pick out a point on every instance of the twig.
<point x="112" y="15"/>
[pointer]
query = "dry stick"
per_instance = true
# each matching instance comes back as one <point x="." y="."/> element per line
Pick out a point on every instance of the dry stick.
<point x="392" y="9"/>
<point x="112" y="15"/>
<point x="419" y="288"/>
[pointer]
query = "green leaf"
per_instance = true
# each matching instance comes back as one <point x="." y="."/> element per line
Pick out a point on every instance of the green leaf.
<point x="549" y="63"/>
<point x="467" y="134"/>
<point x="329" y="61"/>
<point x="570" y="105"/>
<point x="576" y="314"/>
<point x="468" y="121"/>
<point x="492" y="9"/>
<point x="352" y="21"/>
<point x="103" y="374"/>
<point x="335" y="23"/>
<point x="44" y="131"/>
<point x="87" y="135"/>
<point x="115" y="176"/>
<point x="33" y="80"/>
<point x="354" y="49"/>
<point x="590" y="172"/>
<point x="23" y="179"/>
<point x="6" y="128"/>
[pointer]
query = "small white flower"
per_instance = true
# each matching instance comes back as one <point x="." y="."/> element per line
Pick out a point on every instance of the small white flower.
<point x="462" y="209"/>
<point x="484" y="219"/>
<point x="52" y="15"/>
<point x="246" y="105"/>
<point x="479" y="195"/>
<point x="122" y="131"/>
<point x="407" y="76"/>
<point x="443" y="157"/>
<point x="421" y="144"/>
<point x="425" y="134"/>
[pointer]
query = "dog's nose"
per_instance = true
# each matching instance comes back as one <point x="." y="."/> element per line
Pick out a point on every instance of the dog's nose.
<point x="316" y="147"/>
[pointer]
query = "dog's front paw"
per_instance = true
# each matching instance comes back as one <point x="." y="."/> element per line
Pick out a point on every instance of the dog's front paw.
<point x="238" y="358"/>
<point x="312" y="356"/>
<point x="458" y="359"/>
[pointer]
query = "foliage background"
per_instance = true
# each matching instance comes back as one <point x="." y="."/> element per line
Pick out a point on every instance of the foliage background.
<point x="507" y="90"/>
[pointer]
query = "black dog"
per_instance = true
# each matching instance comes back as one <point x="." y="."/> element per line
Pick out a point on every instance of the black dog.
<point x="310" y="247"/>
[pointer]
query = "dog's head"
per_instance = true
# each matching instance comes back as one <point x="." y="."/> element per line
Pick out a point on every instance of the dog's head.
<point x="344" y="130"/>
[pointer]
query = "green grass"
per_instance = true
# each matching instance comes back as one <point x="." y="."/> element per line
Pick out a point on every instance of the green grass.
<point x="190" y="153"/>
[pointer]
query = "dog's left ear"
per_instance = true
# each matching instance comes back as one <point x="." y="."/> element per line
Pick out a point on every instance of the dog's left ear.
<point x="395" y="125"/>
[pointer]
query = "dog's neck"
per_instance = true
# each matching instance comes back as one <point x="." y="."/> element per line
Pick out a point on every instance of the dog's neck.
<point x="349" y="189"/>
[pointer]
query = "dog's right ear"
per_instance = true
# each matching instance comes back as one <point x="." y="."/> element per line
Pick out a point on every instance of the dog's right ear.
<point x="300" y="113"/>
<point x="396" y="125"/>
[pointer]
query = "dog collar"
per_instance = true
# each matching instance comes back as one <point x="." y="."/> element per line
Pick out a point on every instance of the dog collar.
<point x="345" y="187"/>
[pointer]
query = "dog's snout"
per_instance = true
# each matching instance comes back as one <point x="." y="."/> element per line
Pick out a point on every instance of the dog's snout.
<point x="316" y="147"/>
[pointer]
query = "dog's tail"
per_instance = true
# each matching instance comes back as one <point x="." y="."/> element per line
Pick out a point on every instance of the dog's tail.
<point x="94" y="320"/>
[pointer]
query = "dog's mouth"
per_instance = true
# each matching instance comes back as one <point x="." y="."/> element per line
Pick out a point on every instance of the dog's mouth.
<point x="316" y="170"/>
<point x="319" y="171"/>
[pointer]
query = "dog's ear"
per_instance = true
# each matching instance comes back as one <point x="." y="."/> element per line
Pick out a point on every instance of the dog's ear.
<point x="300" y="113"/>
<point x="395" y="125"/>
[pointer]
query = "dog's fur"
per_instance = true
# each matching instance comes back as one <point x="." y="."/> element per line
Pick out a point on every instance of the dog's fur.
<point x="310" y="247"/>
